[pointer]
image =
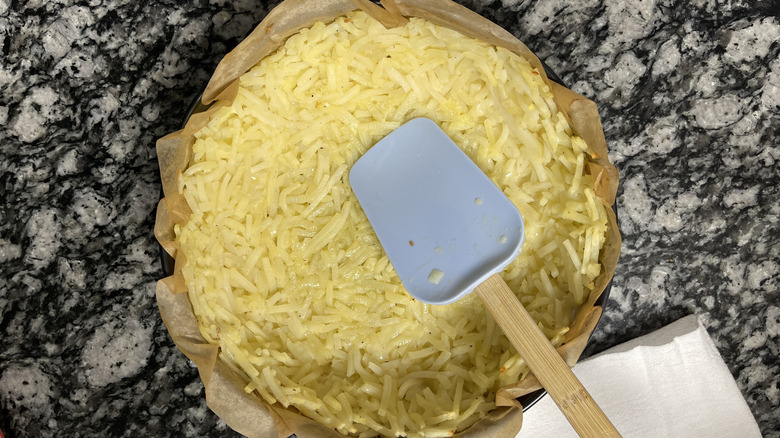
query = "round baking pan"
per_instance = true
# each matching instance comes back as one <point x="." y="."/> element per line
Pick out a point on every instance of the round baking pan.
<point x="527" y="400"/>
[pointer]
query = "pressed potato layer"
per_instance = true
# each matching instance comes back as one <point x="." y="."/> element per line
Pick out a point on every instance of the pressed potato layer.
<point x="284" y="271"/>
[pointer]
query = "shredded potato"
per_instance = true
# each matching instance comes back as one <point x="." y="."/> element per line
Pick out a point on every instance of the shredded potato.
<point x="284" y="271"/>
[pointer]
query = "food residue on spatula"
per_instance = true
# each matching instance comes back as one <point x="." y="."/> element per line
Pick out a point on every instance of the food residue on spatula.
<point x="435" y="276"/>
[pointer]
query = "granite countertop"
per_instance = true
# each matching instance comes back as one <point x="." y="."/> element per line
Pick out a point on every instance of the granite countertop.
<point x="690" y="98"/>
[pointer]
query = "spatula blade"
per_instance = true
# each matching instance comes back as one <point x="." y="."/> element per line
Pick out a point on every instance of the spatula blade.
<point x="443" y="223"/>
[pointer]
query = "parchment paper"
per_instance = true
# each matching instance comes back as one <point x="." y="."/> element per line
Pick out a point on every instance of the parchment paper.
<point x="247" y="413"/>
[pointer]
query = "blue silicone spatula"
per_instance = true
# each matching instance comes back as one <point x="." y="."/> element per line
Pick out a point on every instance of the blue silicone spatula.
<point x="449" y="230"/>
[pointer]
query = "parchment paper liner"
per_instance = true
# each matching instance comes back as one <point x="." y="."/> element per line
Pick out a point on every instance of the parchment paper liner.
<point x="247" y="413"/>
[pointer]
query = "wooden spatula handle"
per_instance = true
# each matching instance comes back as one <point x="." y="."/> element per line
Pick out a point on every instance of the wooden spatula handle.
<point x="547" y="365"/>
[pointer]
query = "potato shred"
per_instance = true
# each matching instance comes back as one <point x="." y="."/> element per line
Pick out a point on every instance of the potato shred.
<point x="284" y="271"/>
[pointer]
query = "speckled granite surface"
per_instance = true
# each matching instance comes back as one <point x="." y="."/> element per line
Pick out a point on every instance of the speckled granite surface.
<point x="689" y="94"/>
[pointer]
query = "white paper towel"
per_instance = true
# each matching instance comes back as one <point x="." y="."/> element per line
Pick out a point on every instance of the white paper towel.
<point x="669" y="383"/>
